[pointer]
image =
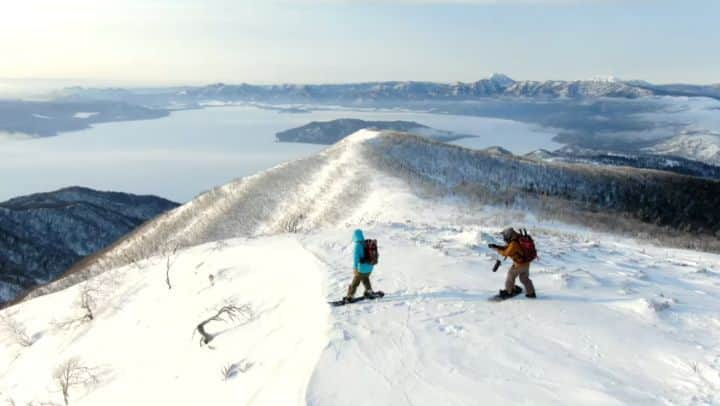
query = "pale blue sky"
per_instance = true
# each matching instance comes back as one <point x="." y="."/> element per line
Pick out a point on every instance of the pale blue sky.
<point x="270" y="41"/>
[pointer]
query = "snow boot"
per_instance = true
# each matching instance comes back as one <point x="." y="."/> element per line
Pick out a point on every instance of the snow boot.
<point x="531" y="296"/>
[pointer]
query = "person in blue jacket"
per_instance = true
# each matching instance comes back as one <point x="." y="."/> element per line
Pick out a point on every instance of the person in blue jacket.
<point x="361" y="271"/>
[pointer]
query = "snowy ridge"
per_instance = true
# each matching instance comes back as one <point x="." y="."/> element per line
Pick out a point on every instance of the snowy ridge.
<point x="297" y="194"/>
<point x="617" y="321"/>
<point x="318" y="191"/>
<point x="702" y="146"/>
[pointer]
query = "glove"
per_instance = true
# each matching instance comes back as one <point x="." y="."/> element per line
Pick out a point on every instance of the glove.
<point x="493" y="246"/>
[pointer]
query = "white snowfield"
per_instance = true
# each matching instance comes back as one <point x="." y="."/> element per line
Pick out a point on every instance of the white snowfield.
<point x="617" y="321"/>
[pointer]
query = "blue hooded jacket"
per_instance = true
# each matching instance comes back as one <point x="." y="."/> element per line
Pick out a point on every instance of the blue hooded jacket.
<point x="358" y="239"/>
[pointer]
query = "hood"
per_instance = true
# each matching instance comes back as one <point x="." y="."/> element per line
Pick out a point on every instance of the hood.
<point x="358" y="236"/>
<point x="509" y="234"/>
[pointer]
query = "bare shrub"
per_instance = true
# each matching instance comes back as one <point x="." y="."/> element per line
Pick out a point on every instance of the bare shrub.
<point x="293" y="224"/>
<point x="17" y="330"/>
<point x="231" y="370"/>
<point x="73" y="373"/>
<point x="171" y="258"/>
<point x="228" y="313"/>
<point x="88" y="296"/>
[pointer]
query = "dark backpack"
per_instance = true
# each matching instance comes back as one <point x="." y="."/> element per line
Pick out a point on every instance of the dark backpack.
<point x="527" y="247"/>
<point x="370" y="252"/>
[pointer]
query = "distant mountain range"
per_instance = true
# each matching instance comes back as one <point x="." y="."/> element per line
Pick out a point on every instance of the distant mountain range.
<point x="497" y="85"/>
<point x="605" y="114"/>
<point x="41" y="235"/>
<point x="675" y="164"/>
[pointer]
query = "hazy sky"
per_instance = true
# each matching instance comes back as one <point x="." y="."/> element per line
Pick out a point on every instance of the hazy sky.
<point x="263" y="41"/>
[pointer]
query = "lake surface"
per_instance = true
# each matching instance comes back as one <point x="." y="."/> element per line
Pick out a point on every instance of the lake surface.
<point x="191" y="151"/>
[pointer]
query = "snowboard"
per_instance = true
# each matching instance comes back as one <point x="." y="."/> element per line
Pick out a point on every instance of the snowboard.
<point x="498" y="298"/>
<point x="379" y="294"/>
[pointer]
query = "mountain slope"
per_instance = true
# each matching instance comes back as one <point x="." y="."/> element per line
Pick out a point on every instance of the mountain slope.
<point x="42" y="234"/>
<point x="702" y="146"/>
<point x="141" y="348"/>
<point x="318" y="191"/>
<point x="651" y="337"/>
<point x="670" y="163"/>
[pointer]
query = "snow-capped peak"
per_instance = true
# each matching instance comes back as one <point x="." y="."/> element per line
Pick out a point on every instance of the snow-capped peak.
<point x="501" y="79"/>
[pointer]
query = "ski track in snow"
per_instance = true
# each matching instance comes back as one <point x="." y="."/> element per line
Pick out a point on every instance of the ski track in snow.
<point x="617" y="321"/>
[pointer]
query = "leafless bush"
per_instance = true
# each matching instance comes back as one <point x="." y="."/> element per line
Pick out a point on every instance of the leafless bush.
<point x="171" y="258"/>
<point x="17" y="330"/>
<point x="293" y="224"/>
<point x="230" y="371"/>
<point x="220" y="245"/>
<point x="87" y="301"/>
<point x="72" y="373"/>
<point x="228" y="313"/>
<point x="88" y="295"/>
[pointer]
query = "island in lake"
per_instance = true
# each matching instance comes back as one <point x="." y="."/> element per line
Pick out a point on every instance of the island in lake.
<point x="330" y="132"/>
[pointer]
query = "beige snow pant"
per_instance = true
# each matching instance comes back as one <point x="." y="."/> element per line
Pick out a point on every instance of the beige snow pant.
<point x="357" y="278"/>
<point x="522" y="271"/>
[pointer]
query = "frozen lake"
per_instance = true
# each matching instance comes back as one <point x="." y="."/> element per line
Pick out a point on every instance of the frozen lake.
<point x="191" y="151"/>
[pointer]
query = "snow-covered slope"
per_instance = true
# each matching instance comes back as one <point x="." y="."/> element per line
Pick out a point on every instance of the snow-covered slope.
<point x="701" y="146"/>
<point x="320" y="190"/>
<point x="140" y="347"/>
<point x="617" y="321"/>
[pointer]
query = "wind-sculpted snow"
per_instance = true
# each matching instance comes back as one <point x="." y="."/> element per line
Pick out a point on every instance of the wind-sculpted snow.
<point x="321" y="190"/>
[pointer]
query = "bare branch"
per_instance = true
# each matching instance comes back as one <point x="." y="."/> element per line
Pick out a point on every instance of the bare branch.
<point x="228" y="313"/>
<point x="88" y="294"/>
<point x="72" y="373"/>
<point x="17" y="330"/>
<point x="87" y="300"/>
<point x="171" y="258"/>
<point x="230" y="371"/>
